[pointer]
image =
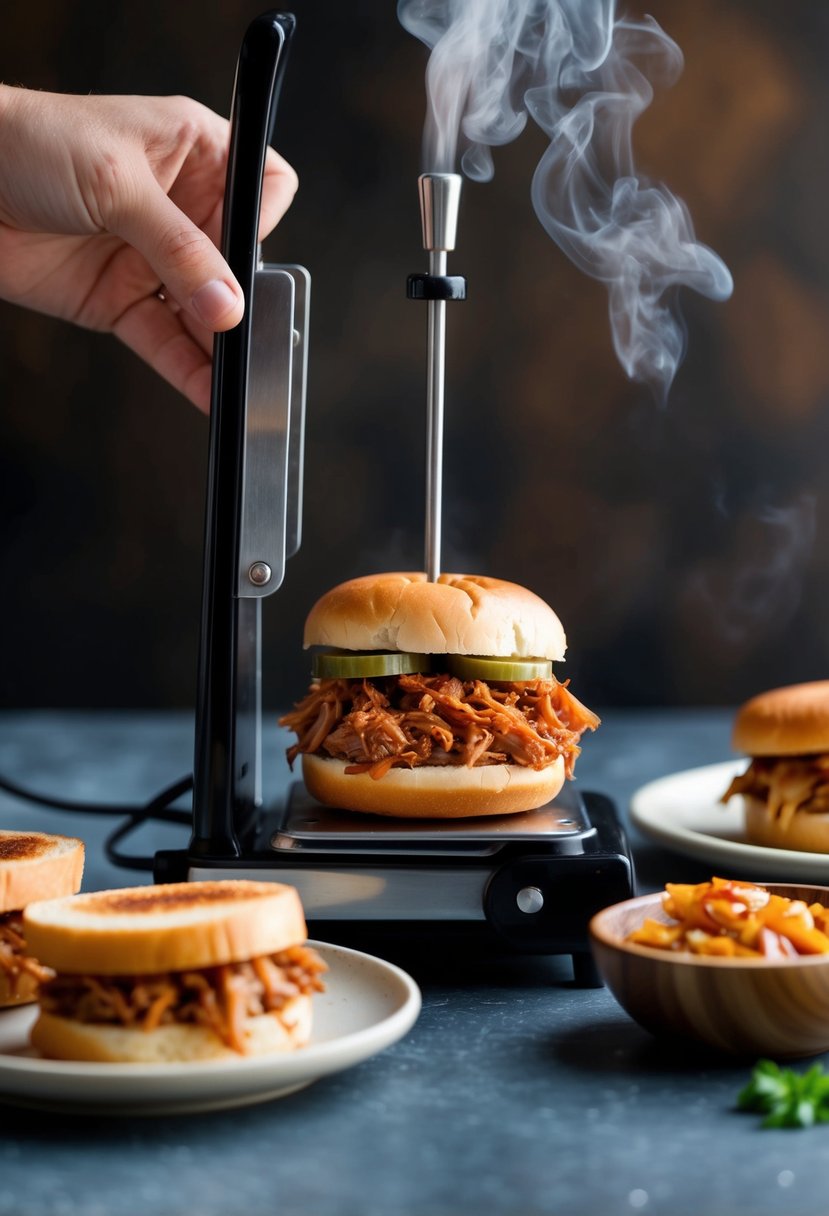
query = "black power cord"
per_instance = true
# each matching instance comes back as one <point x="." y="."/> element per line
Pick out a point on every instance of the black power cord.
<point x="157" y="809"/>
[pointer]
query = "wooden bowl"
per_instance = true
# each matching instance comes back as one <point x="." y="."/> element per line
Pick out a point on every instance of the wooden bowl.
<point x="745" y="1006"/>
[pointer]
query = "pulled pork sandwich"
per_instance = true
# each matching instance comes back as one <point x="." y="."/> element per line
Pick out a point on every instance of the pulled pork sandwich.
<point x="33" y="865"/>
<point x="188" y="971"/>
<point x="785" y="788"/>
<point x="435" y="699"/>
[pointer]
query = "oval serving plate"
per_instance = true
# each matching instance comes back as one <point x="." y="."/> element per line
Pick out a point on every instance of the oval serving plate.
<point x="368" y="1004"/>
<point x="683" y="812"/>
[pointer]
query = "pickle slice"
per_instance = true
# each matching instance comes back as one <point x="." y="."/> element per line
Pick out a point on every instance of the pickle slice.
<point x="484" y="667"/>
<point x="351" y="665"/>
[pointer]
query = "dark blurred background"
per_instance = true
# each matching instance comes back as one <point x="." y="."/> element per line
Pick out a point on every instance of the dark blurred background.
<point x="684" y="547"/>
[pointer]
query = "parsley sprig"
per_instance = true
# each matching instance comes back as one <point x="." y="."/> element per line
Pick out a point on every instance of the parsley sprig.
<point x="787" y="1098"/>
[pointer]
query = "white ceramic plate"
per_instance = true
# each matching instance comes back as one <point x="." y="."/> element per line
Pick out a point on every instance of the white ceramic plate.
<point x="684" y="813"/>
<point x="367" y="1005"/>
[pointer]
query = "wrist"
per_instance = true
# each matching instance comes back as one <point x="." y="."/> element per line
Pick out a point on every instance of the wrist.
<point x="8" y="100"/>
<point x="8" y="103"/>
<point x="12" y="101"/>
<point x="17" y="108"/>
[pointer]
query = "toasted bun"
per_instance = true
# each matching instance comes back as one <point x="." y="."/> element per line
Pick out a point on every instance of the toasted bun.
<point x="37" y="865"/>
<point x="21" y="989"/>
<point x="62" y="1038"/>
<point x="791" y="721"/>
<point x="805" y="831"/>
<point x="459" y="614"/>
<point x="143" y="930"/>
<point x="434" y="791"/>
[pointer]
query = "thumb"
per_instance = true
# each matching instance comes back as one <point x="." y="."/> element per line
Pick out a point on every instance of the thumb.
<point x="188" y="264"/>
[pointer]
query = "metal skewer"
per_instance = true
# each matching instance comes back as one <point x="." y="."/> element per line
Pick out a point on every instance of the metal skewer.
<point x="435" y="393"/>
<point x="439" y="200"/>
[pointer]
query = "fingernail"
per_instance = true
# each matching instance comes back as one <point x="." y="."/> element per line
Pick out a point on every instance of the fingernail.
<point x="214" y="301"/>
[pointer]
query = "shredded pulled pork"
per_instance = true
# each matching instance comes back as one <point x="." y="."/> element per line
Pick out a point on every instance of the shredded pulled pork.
<point x="787" y="784"/>
<point x="14" y="959"/>
<point x="220" y="998"/>
<point x="438" y="719"/>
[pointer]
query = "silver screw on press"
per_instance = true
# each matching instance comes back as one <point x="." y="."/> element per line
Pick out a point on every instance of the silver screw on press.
<point x="260" y="574"/>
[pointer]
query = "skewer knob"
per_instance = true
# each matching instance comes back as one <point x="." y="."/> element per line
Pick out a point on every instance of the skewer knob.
<point x="440" y="196"/>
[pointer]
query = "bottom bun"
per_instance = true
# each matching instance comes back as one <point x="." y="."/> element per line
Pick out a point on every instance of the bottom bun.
<point x="436" y="791"/>
<point x="806" y="831"/>
<point x="18" y="990"/>
<point x="61" y="1038"/>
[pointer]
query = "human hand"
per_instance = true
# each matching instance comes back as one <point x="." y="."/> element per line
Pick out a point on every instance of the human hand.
<point x="104" y="201"/>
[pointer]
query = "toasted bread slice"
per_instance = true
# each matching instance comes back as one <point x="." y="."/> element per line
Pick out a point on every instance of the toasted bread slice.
<point x="38" y="865"/>
<point x="174" y="927"/>
<point x="66" y="1039"/>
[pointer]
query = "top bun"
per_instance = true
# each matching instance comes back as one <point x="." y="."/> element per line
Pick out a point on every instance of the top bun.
<point x="459" y="614"/>
<point x="145" y="930"/>
<point x="38" y="865"/>
<point x="791" y="721"/>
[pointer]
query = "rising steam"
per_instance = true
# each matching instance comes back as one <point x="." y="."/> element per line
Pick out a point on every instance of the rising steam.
<point x="757" y="586"/>
<point x="584" y="77"/>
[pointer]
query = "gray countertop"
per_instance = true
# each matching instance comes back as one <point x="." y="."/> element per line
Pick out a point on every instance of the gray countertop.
<point x="514" y="1094"/>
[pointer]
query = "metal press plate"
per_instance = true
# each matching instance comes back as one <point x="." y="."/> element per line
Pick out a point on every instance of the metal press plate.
<point x="307" y="825"/>
<point x="299" y="388"/>
<point x="262" y="531"/>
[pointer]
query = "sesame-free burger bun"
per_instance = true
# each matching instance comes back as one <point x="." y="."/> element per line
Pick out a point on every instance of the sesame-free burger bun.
<point x="805" y="831"/>
<point x="790" y="721"/>
<point x="434" y="791"/>
<point x="458" y="614"/>
<point x="37" y="865"/>
<point x="63" y="1038"/>
<point x="174" y="927"/>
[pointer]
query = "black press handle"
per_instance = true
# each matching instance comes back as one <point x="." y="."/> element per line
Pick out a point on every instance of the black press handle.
<point x="259" y="77"/>
<point x="221" y="696"/>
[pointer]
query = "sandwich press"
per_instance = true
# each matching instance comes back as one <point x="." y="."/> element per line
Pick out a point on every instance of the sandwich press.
<point x="525" y="883"/>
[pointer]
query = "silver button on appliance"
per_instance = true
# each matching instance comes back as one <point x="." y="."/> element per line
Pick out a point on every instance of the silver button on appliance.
<point x="530" y="900"/>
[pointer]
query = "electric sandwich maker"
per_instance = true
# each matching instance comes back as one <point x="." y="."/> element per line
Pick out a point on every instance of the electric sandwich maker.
<point x="525" y="883"/>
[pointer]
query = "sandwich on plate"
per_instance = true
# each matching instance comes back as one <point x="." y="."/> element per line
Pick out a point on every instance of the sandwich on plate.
<point x="435" y="699"/>
<point x="33" y="865"/>
<point x="785" y="788"/>
<point x="185" y="971"/>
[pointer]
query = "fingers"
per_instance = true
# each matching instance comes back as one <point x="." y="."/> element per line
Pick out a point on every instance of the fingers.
<point x="177" y="341"/>
<point x="184" y="258"/>
<point x="159" y="335"/>
<point x="183" y="255"/>
<point x="279" y="185"/>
